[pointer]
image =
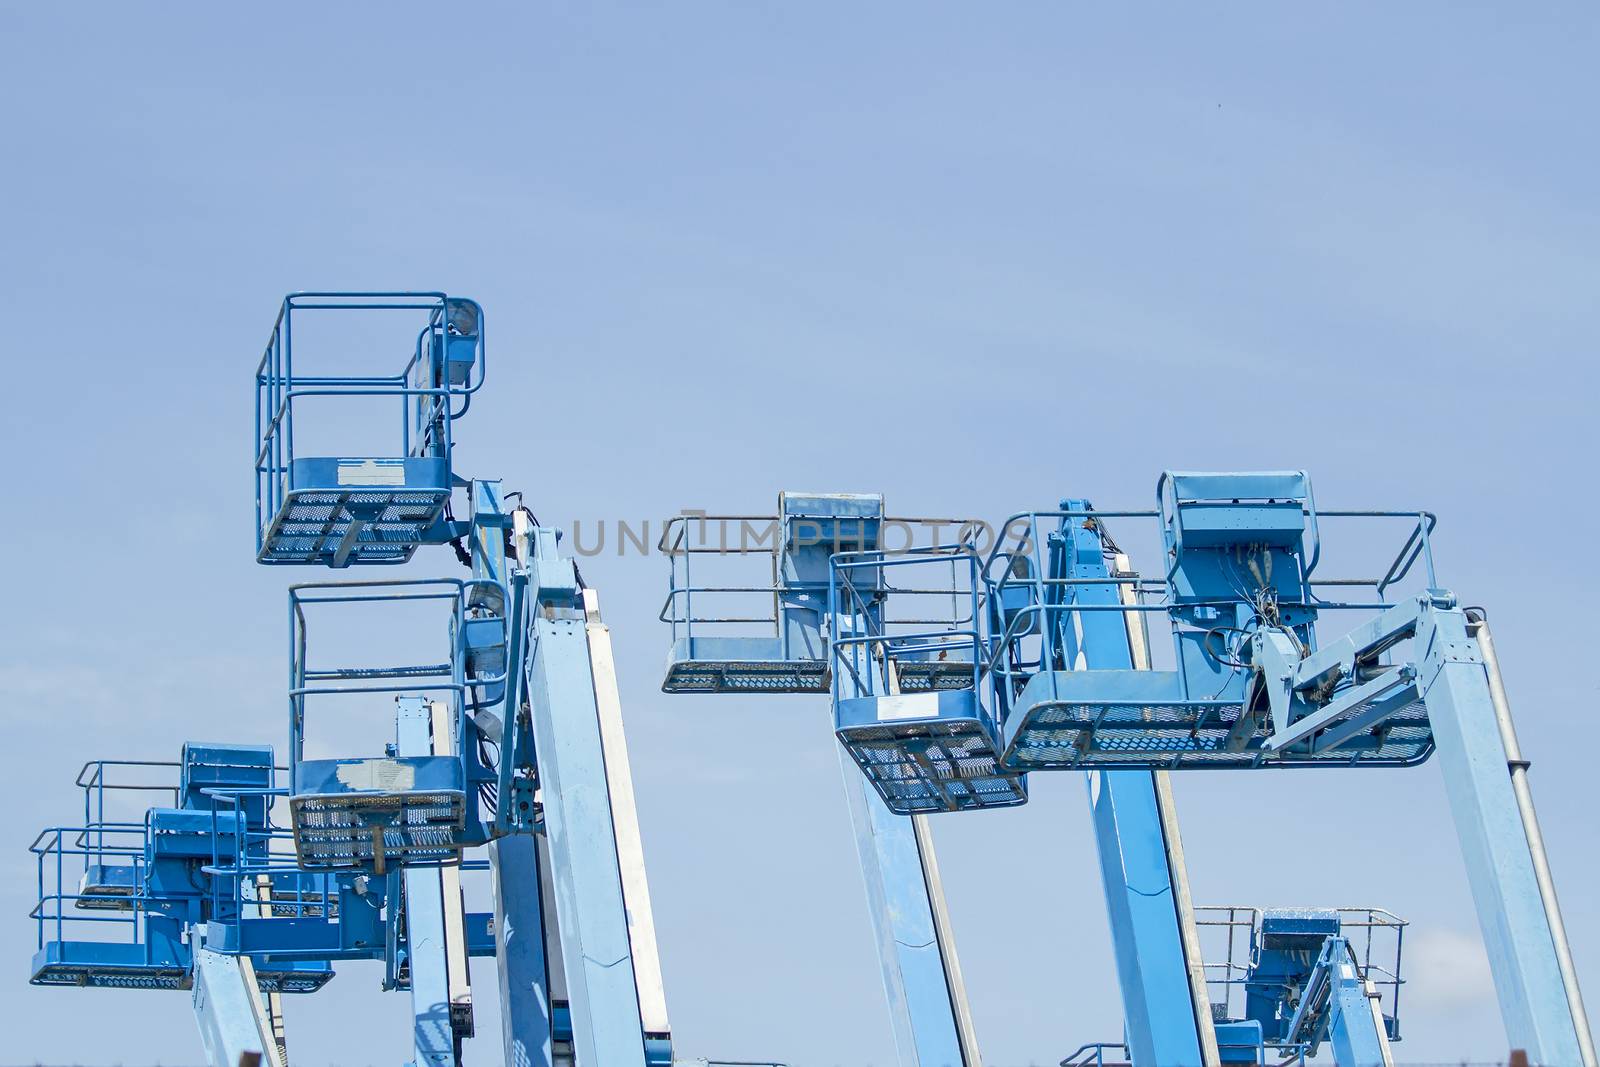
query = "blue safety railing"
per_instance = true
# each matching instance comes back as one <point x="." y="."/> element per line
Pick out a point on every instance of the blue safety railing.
<point x="261" y="879"/>
<point x="432" y="389"/>
<point x="700" y="607"/>
<point x="869" y="659"/>
<point x="63" y="856"/>
<point x="907" y="694"/>
<point x="108" y="785"/>
<point x="1115" y="1054"/>
<point x="426" y="806"/>
<point x="1031" y="595"/>
<point x="449" y="680"/>
<point x="1231" y="944"/>
<point x="1018" y="571"/>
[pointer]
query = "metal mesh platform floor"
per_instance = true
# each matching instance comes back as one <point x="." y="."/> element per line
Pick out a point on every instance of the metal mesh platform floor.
<point x="800" y="676"/>
<point x="937" y="766"/>
<point x="1070" y="735"/>
<point x="313" y="523"/>
<point x="292" y="980"/>
<point x="343" y="830"/>
<point x="167" y="976"/>
<point x="747" y="676"/>
<point x="109" y="965"/>
<point x="111" y="977"/>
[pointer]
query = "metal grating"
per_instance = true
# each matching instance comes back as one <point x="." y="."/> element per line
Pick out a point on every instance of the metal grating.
<point x="292" y="981"/>
<point x="939" y="766"/>
<point x="799" y="676"/>
<point x="749" y="676"/>
<point x="111" y="977"/>
<point x="940" y="676"/>
<point x="312" y="523"/>
<point x="343" y="830"/>
<point x="1064" y="735"/>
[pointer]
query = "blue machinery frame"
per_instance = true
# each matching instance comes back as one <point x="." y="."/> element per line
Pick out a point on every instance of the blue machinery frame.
<point x="507" y="756"/>
<point x="952" y="673"/>
<point x="1045" y="662"/>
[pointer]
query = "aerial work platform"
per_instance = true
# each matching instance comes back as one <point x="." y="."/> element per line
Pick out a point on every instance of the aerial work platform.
<point x="375" y="811"/>
<point x="510" y="741"/>
<point x="144" y="883"/>
<point x="362" y="508"/>
<point x="1045" y="661"/>
<point x="923" y="750"/>
<point x="1242" y="552"/>
<point x="1241" y="599"/>
<point x="790" y="601"/>
<point x="1284" y="982"/>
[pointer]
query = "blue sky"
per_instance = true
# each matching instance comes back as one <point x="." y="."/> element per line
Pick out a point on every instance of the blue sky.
<point x="974" y="257"/>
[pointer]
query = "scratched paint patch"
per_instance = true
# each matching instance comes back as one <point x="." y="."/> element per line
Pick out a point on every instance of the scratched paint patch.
<point x="372" y="472"/>
<point x="383" y="775"/>
<point x="912" y="706"/>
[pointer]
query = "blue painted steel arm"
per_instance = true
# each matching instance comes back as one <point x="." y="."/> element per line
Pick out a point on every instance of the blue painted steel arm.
<point x="526" y="1014"/>
<point x="1340" y="1006"/>
<point x="1166" y="1013"/>
<point x="590" y="912"/>
<point x="1355" y="1024"/>
<point x="427" y="933"/>
<point x="1160" y="1014"/>
<point x="918" y="964"/>
<point x="1522" y="933"/>
<point x="227" y="1005"/>
<point x="916" y="947"/>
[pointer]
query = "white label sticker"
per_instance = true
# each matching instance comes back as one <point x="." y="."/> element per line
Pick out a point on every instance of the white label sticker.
<point x="372" y="472"/>
<point x="384" y="775"/>
<point x="914" y="706"/>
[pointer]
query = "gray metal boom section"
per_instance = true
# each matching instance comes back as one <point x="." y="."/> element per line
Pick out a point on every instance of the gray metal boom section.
<point x="1522" y="931"/>
<point x="429" y="921"/>
<point x="596" y="952"/>
<point x="227" y="1005"/>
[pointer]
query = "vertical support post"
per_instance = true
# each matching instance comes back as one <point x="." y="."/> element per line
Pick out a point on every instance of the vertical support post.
<point x="427" y="931"/>
<point x="916" y="947"/>
<point x="928" y="1012"/>
<point x="1517" y="911"/>
<point x="590" y="906"/>
<point x="1151" y="923"/>
<point x="455" y="920"/>
<point x="234" y="1026"/>
<point x="272" y="1002"/>
<point x="526" y="1014"/>
<point x="1166" y="1007"/>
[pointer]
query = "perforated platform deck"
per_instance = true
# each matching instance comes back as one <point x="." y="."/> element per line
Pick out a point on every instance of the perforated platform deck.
<point x="690" y="674"/>
<point x="747" y="676"/>
<point x="1061" y="732"/>
<point x="127" y="965"/>
<point x="373" y="830"/>
<point x="340" y="510"/>
<point x="927" y="752"/>
<point x="291" y="979"/>
<point x="940" y="767"/>
<point x="123" y="965"/>
<point x="313" y="524"/>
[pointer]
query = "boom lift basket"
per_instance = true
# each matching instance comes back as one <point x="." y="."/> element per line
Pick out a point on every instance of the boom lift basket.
<point x="363" y="509"/>
<point x="1241" y="550"/>
<point x="712" y="648"/>
<point x="145" y="885"/>
<point x="934" y="747"/>
<point x="398" y="808"/>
